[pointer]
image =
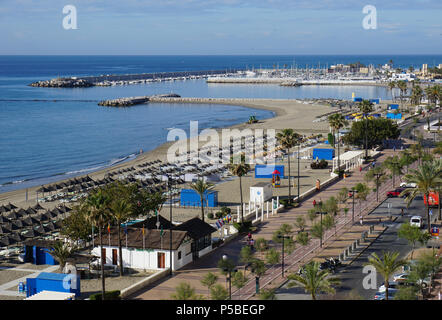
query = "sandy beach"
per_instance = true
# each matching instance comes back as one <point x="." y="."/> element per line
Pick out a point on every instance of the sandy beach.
<point x="295" y="114"/>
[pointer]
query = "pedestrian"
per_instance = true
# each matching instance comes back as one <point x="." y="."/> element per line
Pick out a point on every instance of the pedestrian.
<point x="314" y="203"/>
<point x="402" y="211"/>
<point x="360" y="169"/>
<point x="361" y="220"/>
<point x="249" y="236"/>
<point x="394" y="148"/>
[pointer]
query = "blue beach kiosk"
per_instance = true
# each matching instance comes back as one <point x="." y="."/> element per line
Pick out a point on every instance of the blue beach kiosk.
<point x="36" y="252"/>
<point x="58" y="282"/>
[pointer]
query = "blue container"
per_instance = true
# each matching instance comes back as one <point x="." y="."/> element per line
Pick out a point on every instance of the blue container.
<point x="393" y="107"/>
<point x="265" y="171"/>
<point x="357" y="99"/>
<point x="190" y="197"/>
<point x="375" y="101"/>
<point x="394" y="116"/>
<point x="39" y="255"/>
<point x="323" y="154"/>
<point x="58" y="282"/>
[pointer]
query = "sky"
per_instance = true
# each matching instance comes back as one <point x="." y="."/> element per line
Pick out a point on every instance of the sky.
<point x="220" y="27"/>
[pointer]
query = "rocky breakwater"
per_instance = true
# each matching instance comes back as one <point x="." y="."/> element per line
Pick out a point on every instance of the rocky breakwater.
<point x="126" y="102"/>
<point x="63" y="83"/>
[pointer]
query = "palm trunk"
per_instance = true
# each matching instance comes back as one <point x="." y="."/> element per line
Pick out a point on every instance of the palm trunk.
<point x="428" y="213"/>
<point x="386" y="288"/>
<point x="202" y="208"/>
<point x="438" y="205"/>
<point x="120" y="250"/>
<point x="366" y="139"/>
<point x="290" y="187"/>
<point x="242" y="207"/>
<point x="339" y="158"/>
<point x="103" y="289"/>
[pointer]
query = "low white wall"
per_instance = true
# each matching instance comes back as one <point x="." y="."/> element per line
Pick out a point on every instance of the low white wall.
<point x="143" y="283"/>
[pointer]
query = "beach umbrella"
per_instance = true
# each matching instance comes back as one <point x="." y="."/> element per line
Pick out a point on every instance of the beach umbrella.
<point x="13" y="216"/>
<point x="17" y="224"/>
<point x="31" y="233"/>
<point x="15" y="236"/>
<point x="37" y="207"/>
<point x="3" y="219"/>
<point x="6" y="241"/>
<point x="27" y="222"/>
<point x="31" y="211"/>
<point x="58" y="224"/>
<point x="10" y="206"/>
<point x="50" y="226"/>
<point x="4" y="230"/>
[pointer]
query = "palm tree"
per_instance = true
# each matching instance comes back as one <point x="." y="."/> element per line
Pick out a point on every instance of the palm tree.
<point x="402" y="85"/>
<point x="416" y="95"/>
<point x="337" y="121"/>
<point x="387" y="266"/>
<point x="427" y="178"/>
<point x="239" y="168"/>
<point x="314" y="280"/>
<point x="391" y="86"/>
<point x="365" y="106"/>
<point x="407" y="158"/>
<point x="185" y="292"/>
<point x="434" y="93"/>
<point x="61" y="251"/>
<point x="287" y="138"/>
<point x="121" y="211"/>
<point x="201" y="188"/>
<point x="394" y="165"/>
<point x="98" y="215"/>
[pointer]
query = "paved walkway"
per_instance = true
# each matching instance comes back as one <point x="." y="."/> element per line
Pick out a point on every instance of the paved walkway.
<point x="14" y="283"/>
<point x="195" y="271"/>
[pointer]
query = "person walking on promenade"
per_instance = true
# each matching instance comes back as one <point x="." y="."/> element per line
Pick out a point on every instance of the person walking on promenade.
<point x="360" y="169"/>
<point x="402" y="212"/>
<point x="314" y="203"/>
<point x="361" y="220"/>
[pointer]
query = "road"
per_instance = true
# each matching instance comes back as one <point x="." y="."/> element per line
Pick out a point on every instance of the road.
<point x="352" y="276"/>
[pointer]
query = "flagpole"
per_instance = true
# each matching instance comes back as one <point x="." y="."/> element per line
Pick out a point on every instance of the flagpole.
<point x="144" y="254"/>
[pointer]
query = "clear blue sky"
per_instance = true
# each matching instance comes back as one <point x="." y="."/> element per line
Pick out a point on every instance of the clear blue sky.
<point x="220" y="27"/>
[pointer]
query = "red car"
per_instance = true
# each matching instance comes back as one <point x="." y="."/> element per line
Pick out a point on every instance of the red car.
<point x="395" y="193"/>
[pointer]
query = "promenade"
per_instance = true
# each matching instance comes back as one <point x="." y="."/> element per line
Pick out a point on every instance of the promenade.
<point x="194" y="272"/>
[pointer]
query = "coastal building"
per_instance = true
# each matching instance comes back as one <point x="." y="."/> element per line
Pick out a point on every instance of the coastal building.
<point x="144" y="248"/>
<point x="424" y="69"/>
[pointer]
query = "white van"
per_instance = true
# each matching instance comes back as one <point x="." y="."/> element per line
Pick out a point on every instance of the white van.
<point x="416" y="221"/>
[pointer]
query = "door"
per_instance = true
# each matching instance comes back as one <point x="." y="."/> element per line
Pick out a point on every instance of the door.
<point x="194" y="248"/>
<point x="114" y="257"/>
<point x="103" y="255"/>
<point x="161" y="260"/>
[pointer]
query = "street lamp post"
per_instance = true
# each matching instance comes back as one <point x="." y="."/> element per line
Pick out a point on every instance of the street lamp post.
<point x="282" y="260"/>
<point x="378" y="175"/>
<point x="169" y="189"/>
<point x="352" y="191"/>
<point x="299" y="150"/>
<point x="229" y="277"/>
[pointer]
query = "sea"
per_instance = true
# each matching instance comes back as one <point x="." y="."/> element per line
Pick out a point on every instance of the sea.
<point x="49" y="134"/>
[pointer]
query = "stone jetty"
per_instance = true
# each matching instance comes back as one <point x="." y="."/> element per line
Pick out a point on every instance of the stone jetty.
<point x="128" y="79"/>
<point x="130" y="101"/>
<point x="63" y="83"/>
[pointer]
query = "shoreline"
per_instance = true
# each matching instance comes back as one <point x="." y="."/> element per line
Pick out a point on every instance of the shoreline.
<point x="287" y="112"/>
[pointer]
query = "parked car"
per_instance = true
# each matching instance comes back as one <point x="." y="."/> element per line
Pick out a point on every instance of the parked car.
<point x="408" y="185"/>
<point x="416" y="221"/>
<point x="381" y="295"/>
<point x="391" y="285"/>
<point x="403" y="277"/>
<point x="395" y="193"/>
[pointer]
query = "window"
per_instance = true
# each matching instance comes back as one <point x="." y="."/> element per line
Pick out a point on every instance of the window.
<point x="179" y="255"/>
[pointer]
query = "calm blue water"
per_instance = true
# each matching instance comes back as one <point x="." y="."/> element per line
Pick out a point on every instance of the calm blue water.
<point x="47" y="141"/>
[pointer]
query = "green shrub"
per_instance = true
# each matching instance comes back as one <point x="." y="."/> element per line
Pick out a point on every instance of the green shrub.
<point x="242" y="227"/>
<point x="225" y="210"/>
<point x="219" y="215"/>
<point x="210" y="215"/>
<point x="110" y="295"/>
